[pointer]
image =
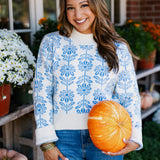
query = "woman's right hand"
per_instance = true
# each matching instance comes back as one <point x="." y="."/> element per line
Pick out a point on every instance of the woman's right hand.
<point x="53" y="154"/>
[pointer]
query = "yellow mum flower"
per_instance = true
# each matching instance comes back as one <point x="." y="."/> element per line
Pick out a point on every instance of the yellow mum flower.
<point x="130" y="21"/>
<point x="42" y="20"/>
<point x="59" y="26"/>
<point x="137" y="25"/>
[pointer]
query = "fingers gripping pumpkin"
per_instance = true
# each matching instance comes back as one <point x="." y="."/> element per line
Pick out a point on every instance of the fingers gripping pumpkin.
<point x="108" y="124"/>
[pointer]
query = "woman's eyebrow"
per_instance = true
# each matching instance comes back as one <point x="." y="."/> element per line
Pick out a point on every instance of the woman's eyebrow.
<point x="83" y="2"/>
<point x="79" y="3"/>
<point x="69" y="4"/>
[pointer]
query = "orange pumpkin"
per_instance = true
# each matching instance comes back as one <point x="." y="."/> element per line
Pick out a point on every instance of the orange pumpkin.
<point x="108" y="123"/>
<point x="11" y="154"/>
<point x="146" y="100"/>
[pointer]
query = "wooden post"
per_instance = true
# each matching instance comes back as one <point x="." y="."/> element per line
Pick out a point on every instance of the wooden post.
<point x="7" y="131"/>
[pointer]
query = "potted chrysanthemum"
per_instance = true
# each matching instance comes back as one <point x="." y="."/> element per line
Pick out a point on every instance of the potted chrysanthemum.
<point x="141" y="42"/>
<point x="154" y="30"/>
<point x="17" y="65"/>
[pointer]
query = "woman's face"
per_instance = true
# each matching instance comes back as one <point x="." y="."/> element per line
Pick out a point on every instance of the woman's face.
<point x="80" y="15"/>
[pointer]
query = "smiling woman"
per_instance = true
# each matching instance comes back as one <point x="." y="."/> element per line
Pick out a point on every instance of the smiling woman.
<point x="80" y="15"/>
<point x="83" y="63"/>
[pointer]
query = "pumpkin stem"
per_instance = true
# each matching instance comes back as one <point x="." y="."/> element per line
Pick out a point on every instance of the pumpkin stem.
<point x="140" y="90"/>
<point x="4" y="158"/>
<point x="121" y="124"/>
<point x="152" y="87"/>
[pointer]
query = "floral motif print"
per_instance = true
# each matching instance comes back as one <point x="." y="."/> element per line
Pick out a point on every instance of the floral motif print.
<point x="67" y="77"/>
<point x="98" y="96"/>
<point x="38" y="82"/>
<point x="66" y="96"/>
<point x="84" y="81"/>
<point x="44" y="76"/>
<point x="49" y="91"/>
<point x="101" y="77"/>
<point x="71" y="78"/>
<point x="69" y="52"/>
<point x="67" y="70"/>
<point x="39" y="110"/>
<point x="84" y="89"/>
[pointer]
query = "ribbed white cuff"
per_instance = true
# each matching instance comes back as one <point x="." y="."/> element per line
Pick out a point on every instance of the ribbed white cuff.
<point x="137" y="137"/>
<point x="45" y="134"/>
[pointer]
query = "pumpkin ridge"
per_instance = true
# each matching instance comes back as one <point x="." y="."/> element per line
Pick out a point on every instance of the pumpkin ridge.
<point x="115" y="110"/>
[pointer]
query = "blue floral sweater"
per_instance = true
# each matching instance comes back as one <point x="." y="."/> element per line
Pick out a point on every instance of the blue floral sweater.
<point x="71" y="77"/>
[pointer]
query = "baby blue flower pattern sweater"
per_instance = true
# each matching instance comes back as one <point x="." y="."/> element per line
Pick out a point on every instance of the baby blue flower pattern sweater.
<point x="71" y="77"/>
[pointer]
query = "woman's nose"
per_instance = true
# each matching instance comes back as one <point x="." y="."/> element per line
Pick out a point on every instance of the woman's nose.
<point x="78" y="13"/>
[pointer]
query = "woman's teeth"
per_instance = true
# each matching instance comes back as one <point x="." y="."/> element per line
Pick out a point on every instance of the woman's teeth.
<point x="81" y="21"/>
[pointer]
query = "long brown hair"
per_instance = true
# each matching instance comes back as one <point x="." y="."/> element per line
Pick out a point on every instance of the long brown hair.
<point x="103" y="31"/>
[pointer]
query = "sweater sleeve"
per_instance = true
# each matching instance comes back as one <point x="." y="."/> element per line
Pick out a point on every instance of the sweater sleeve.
<point x="43" y="94"/>
<point x="127" y="93"/>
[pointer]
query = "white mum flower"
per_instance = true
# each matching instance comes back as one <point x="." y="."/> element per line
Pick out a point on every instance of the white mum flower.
<point x="16" y="58"/>
<point x="3" y="68"/>
<point x="2" y="78"/>
<point x="24" y="65"/>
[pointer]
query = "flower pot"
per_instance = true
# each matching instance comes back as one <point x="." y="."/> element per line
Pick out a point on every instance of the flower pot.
<point x="158" y="57"/>
<point x="5" y="96"/>
<point x="135" y="63"/>
<point x="21" y="95"/>
<point x="149" y="62"/>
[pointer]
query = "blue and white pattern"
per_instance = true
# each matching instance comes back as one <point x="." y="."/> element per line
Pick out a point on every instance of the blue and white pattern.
<point x="101" y="77"/>
<point x="67" y="77"/>
<point x="84" y="83"/>
<point x="71" y="77"/>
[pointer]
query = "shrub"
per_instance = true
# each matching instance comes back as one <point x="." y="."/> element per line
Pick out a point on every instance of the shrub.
<point x="151" y="142"/>
<point x="154" y="30"/>
<point x="140" y="41"/>
<point x="47" y="26"/>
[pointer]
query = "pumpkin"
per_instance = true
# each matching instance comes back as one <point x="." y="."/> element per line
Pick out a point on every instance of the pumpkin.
<point x="11" y="154"/>
<point x="146" y="100"/>
<point x="155" y="94"/>
<point x="3" y="153"/>
<point x="108" y="123"/>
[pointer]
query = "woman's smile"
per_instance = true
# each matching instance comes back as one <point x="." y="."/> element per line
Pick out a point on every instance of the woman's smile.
<point x="81" y="21"/>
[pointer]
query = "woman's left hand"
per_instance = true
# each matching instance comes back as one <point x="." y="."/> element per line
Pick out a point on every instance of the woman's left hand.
<point x="130" y="146"/>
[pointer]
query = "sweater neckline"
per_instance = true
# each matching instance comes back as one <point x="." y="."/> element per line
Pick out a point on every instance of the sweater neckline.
<point x="82" y="38"/>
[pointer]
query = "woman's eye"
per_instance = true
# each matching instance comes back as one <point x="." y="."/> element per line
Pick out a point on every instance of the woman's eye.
<point x="69" y="8"/>
<point x="84" y="5"/>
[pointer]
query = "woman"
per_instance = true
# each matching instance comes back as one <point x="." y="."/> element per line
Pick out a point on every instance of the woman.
<point x="82" y="64"/>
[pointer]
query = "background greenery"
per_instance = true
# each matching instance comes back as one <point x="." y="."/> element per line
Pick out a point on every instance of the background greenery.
<point x="47" y="26"/>
<point x="151" y="142"/>
<point x="140" y="41"/>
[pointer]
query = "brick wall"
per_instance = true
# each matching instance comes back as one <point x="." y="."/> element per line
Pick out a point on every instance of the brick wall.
<point x="147" y="10"/>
